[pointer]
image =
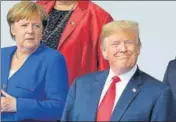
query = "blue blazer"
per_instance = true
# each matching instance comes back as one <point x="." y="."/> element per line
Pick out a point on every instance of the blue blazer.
<point x="152" y="100"/>
<point x="40" y="85"/>
<point x="170" y="76"/>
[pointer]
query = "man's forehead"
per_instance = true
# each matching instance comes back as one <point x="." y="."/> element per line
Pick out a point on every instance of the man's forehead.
<point x="123" y="35"/>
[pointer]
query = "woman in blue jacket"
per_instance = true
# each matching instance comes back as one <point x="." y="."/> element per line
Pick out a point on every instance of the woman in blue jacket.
<point x="34" y="78"/>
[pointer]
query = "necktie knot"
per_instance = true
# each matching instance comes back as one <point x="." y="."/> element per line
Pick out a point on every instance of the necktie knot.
<point x="115" y="79"/>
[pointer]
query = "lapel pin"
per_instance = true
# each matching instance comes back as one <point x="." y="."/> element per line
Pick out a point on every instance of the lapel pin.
<point x="134" y="90"/>
<point x="72" y="23"/>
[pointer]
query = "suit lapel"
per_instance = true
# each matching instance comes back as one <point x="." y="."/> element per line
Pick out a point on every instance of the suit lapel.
<point x="75" y="18"/>
<point x="6" y="65"/>
<point x="94" y="96"/>
<point x="130" y="92"/>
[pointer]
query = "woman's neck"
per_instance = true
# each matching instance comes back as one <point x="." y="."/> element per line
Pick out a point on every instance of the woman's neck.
<point x="23" y="53"/>
<point x="65" y="5"/>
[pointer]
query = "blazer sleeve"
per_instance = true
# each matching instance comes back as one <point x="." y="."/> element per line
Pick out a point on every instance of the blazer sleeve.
<point x="102" y="63"/>
<point x="56" y="88"/>
<point x="68" y="110"/>
<point x="165" y="107"/>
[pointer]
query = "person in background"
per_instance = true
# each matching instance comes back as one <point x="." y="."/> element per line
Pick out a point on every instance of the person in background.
<point x="74" y="29"/>
<point x="34" y="78"/>
<point x="124" y="92"/>
<point x="170" y="76"/>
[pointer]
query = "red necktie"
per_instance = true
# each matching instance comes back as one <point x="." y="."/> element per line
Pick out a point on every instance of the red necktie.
<point x="105" y="108"/>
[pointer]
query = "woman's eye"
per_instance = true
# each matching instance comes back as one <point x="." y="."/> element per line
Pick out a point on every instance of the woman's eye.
<point x="37" y="26"/>
<point x="24" y="25"/>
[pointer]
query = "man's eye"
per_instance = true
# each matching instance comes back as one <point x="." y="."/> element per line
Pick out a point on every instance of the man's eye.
<point x="129" y="42"/>
<point x="116" y="44"/>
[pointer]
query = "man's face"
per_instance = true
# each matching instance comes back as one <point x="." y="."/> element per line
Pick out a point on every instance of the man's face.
<point x="121" y="49"/>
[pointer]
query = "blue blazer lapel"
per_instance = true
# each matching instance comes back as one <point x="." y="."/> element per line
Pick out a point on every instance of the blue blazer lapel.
<point x="94" y="96"/>
<point x="130" y="92"/>
<point x="6" y="63"/>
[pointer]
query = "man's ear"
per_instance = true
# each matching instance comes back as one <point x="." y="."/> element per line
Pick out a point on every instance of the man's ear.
<point x="104" y="53"/>
<point x="103" y="50"/>
<point x="139" y="49"/>
<point x="139" y="46"/>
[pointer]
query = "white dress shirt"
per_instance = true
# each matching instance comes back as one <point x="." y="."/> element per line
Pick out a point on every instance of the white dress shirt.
<point x="12" y="72"/>
<point x="120" y="86"/>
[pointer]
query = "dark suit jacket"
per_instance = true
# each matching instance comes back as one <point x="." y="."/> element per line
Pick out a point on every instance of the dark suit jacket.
<point x="152" y="100"/>
<point x="170" y="76"/>
<point x="40" y="85"/>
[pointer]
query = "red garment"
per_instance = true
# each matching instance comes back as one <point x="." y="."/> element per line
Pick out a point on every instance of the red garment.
<point x="105" y="108"/>
<point x="80" y="40"/>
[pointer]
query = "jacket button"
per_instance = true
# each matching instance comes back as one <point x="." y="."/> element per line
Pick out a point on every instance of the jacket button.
<point x="4" y="86"/>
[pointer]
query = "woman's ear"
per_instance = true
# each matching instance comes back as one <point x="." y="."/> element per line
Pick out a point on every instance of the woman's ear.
<point x="12" y="29"/>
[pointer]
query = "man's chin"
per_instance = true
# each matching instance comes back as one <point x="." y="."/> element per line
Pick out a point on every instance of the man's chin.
<point x="122" y="63"/>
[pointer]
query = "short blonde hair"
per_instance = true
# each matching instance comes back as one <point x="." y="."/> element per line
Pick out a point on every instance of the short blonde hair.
<point x="112" y="27"/>
<point x="26" y="10"/>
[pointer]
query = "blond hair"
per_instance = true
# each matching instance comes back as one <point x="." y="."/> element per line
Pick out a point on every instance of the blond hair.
<point x="26" y="10"/>
<point x="112" y="27"/>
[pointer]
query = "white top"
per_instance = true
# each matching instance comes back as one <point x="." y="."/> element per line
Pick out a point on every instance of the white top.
<point x="11" y="73"/>
<point x="120" y="86"/>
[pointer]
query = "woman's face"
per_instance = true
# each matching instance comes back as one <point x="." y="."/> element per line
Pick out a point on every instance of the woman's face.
<point x="27" y="33"/>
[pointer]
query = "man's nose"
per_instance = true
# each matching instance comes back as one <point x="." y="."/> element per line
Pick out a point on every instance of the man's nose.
<point x="123" y="47"/>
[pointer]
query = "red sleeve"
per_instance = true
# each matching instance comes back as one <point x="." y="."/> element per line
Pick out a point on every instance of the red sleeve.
<point x="102" y="63"/>
<point x="48" y="5"/>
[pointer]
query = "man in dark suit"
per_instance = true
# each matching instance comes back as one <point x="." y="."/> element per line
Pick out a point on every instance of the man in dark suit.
<point x="122" y="93"/>
<point x="170" y="76"/>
